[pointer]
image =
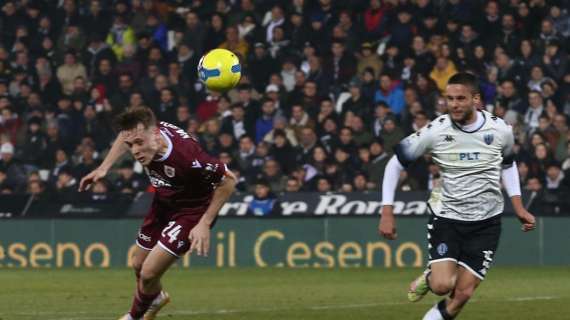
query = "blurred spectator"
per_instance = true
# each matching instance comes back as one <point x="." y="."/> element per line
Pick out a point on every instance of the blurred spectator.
<point x="120" y="35"/>
<point x="341" y="64"/>
<point x="36" y="188"/>
<point x="15" y="172"/>
<point x="554" y="175"/>
<point x="375" y="20"/>
<point x="535" y="109"/>
<point x="339" y="86"/>
<point x="263" y="201"/>
<point x="283" y="151"/>
<point x="356" y="103"/>
<point x="442" y="71"/>
<point x="235" y="124"/>
<point x="293" y="185"/>
<point x="129" y="181"/>
<point x="369" y="59"/>
<point x="391" y="134"/>
<point x="35" y="143"/>
<point x="379" y="160"/>
<point x="245" y="155"/>
<point x="407" y="182"/>
<point x="264" y="124"/>
<point x="234" y="43"/>
<point x="390" y="93"/>
<point x="100" y="190"/>
<point x="97" y="21"/>
<point x="10" y="123"/>
<point x="69" y="71"/>
<point x="280" y="124"/>
<point x="360" y="183"/>
<point x="324" y="185"/>
<point x="194" y="33"/>
<point x="273" y="176"/>
<point x="66" y="182"/>
<point x="86" y="162"/>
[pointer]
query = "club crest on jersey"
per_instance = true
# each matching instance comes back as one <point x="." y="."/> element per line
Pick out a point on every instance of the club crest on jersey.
<point x="169" y="171"/>
<point x="442" y="249"/>
<point x="488" y="138"/>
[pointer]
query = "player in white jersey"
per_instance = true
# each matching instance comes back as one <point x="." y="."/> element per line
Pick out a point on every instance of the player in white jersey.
<point x="474" y="151"/>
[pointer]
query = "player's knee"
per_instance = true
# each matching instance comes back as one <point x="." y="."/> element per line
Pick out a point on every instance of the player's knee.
<point x="441" y="286"/>
<point x="137" y="267"/>
<point x="148" y="277"/>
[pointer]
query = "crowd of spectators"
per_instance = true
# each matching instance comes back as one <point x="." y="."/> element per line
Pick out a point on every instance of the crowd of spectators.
<point x="328" y="87"/>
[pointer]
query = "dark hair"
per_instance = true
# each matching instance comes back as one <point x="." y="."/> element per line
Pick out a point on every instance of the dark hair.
<point x="536" y="92"/>
<point x="131" y="118"/>
<point x="421" y="113"/>
<point x="466" y="79"/>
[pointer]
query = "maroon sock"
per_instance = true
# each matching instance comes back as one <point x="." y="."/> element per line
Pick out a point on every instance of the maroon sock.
<point x="141" y="302"/>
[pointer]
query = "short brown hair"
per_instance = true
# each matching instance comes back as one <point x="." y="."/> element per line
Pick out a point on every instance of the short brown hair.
<point x="131" y="118"/>
<point x="466" y="79"/>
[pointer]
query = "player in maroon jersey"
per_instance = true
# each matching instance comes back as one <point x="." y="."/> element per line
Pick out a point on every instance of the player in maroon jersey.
<point x="191" y="187"/>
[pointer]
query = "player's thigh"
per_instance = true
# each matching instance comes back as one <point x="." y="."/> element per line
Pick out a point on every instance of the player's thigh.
<point x="443" y="275"/>
<point x="479" y="247"/>
<point x="156" y="263"/>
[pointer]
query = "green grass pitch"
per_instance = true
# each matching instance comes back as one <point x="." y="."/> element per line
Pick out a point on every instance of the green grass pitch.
<point x="255" y="294"/>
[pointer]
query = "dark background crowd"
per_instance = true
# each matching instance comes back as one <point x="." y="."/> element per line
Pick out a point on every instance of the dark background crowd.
<point x="328" y="87"/>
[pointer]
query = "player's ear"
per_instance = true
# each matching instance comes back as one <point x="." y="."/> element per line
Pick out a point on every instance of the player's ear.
<point x="156" y="132"/>
<point x="477" y="97"/>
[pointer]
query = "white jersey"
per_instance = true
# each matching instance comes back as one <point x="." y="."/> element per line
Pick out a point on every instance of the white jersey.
<point x="470" y="163"/>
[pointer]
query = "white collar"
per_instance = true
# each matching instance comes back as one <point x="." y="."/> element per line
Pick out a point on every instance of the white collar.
<point x="169" y="150"/>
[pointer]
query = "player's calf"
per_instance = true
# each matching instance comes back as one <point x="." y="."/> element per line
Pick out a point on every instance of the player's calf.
<point x="459" y="299"/>
<point x="150" y="281"/>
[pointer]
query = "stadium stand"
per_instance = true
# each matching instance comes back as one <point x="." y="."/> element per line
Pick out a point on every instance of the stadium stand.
<point x="328" y="87"/>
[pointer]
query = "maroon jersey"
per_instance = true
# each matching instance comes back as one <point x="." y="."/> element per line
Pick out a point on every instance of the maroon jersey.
<point x="186" y="176"/>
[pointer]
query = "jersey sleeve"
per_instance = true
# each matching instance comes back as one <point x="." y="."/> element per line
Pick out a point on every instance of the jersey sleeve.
<point x="508" y="143"/>
<point x="415" y="145"/>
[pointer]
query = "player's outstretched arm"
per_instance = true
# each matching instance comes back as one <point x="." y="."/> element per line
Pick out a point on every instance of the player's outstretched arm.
<point x="387" y="226"/>
<point x="511" y="182"/>
<point x="200" y="235"/>
<point x="117" y="150"/>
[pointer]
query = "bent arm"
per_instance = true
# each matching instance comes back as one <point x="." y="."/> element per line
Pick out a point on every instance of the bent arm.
<point x="221" y="195"/>
<point x="117" y="150"/>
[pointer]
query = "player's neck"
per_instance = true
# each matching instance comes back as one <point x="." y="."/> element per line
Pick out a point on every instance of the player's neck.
<point x="474" y="122"/>
<point x="472" y="119"/>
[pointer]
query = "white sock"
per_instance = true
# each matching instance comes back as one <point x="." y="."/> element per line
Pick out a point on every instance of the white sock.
<point x="433" y="314"/>
<point x="158" y="298"/>
<point x="129" y="317"/>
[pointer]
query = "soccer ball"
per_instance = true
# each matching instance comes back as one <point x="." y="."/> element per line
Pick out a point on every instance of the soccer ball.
<point x="219" y="70"/>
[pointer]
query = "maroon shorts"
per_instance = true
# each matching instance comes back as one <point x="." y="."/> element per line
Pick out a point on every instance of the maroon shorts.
<point x="168" y="231"/>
